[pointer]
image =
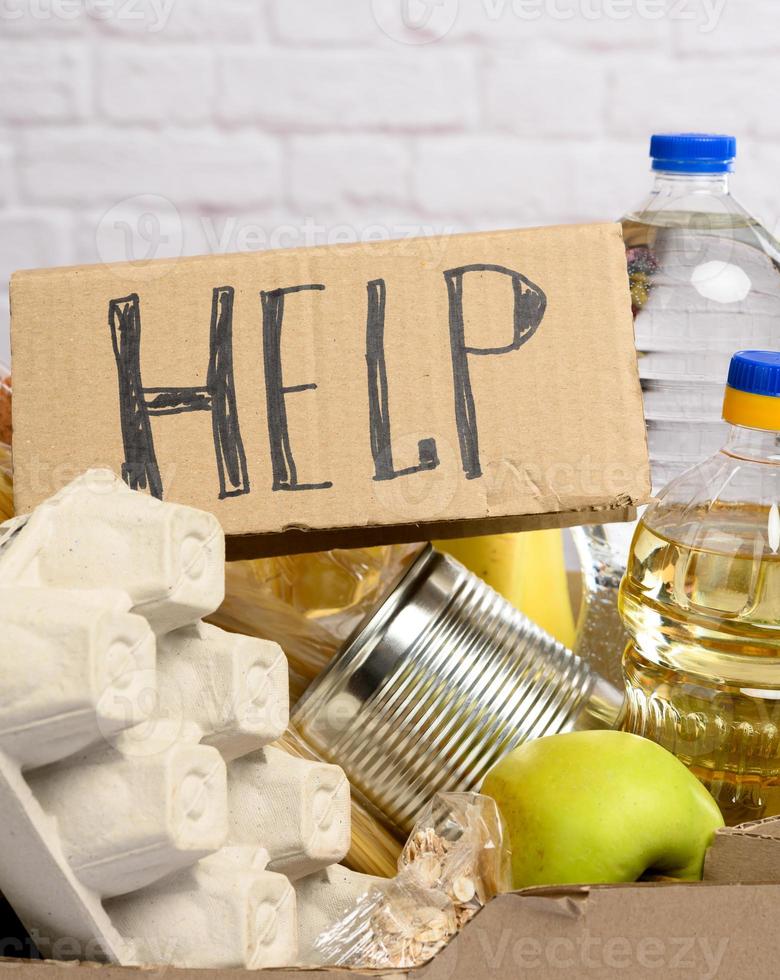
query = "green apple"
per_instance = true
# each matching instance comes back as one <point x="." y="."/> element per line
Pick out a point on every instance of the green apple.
<point x="601" y="806"/>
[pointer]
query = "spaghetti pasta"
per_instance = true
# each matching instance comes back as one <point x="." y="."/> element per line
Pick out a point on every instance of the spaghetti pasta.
<point x="375" y="849"/>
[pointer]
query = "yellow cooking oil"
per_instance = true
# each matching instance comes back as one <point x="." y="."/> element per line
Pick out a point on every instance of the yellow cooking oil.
<point x="702" y="670"/>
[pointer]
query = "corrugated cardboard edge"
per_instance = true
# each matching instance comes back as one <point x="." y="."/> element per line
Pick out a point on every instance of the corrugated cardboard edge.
<point x="749" y="852"/>
<point x="635" y="930"/>
<point x="66" y="970"/>
<point x="300" y="540"/>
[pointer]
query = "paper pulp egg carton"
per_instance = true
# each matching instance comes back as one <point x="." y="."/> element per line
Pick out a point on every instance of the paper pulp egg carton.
<point x="143" y="814"/>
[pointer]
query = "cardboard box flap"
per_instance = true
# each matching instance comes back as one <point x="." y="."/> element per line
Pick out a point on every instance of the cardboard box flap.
<point x="640" y="930"/>
<point x="637" y="931"/>
<point x="344" y="394"/>
<point x="749" y="852"/>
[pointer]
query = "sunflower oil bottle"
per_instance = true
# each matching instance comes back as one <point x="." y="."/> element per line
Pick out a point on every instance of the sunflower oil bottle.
<point x="701" y="603"/>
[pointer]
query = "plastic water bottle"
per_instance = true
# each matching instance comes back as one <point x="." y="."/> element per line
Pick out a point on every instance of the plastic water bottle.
<point x="704" y="282"/>
<point x="701" y="602"/>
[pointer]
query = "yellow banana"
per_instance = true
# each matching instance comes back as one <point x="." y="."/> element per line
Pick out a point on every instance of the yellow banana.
<point x="527" y="569"/>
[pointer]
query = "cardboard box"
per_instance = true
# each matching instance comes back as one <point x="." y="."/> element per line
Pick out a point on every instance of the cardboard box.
<point x="748" y="852"/>
<point x="347" y="394"/>
<point x="724" y="928"/>
<point x="711" y="932"/>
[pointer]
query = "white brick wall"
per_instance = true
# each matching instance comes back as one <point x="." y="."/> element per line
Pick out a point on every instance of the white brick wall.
<point x="131" y="128"/>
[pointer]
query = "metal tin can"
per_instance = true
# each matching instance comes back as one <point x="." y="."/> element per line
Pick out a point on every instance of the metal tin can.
<point x="441" y="681"/>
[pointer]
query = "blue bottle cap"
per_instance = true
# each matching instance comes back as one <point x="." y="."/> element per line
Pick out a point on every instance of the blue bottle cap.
<point x="693" y="153"/>
<point x="756" y="371"/>
<point x="752" y="395"/>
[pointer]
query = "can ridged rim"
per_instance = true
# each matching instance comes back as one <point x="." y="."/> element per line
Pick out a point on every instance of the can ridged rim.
<point x="355" y="649"/>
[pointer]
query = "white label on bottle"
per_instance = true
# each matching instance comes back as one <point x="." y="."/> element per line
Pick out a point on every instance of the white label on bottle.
<point x="722" y="282"/>
<point x="773" y="528"/>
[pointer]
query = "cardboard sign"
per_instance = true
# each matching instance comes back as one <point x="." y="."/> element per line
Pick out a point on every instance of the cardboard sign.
<point x="346" y="394"/>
